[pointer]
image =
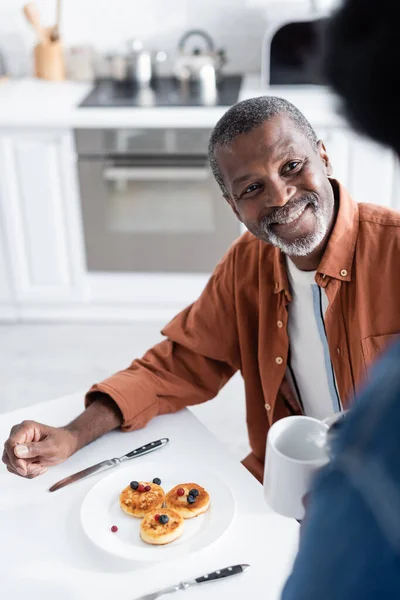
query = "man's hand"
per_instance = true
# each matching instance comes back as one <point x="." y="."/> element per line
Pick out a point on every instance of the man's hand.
<point x="32" y="447"/>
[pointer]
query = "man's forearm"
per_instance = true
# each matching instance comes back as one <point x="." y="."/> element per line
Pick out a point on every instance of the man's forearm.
<point x="102" y="416"/>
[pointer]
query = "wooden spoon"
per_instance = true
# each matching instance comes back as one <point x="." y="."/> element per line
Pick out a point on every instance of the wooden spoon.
<point x="32" y="14"/>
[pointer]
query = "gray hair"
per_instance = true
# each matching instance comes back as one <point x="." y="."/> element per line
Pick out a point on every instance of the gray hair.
<point x="245" y="116"/>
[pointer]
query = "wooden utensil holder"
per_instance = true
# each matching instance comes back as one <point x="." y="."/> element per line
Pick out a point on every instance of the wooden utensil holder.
<point x="49" y="61"/>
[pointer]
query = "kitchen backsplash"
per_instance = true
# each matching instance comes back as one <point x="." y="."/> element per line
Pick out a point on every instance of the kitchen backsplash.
<point x="236" y="25"/>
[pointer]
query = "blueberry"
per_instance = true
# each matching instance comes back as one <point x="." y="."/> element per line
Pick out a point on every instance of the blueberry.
<point x="191" y="499"/>
<point x="194" y="492"/>
<point x="163" y="519"/>
<point x="157" y="481"/>
<point x="134" y="485"/>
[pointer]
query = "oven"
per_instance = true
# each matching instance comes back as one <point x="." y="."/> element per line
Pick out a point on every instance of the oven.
<point x="149" y="201"/>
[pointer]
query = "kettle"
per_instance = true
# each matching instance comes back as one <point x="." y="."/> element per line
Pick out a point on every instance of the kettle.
<point x="190" y="64"/>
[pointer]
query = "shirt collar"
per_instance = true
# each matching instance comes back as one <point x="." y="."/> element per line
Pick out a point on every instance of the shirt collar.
<point x="337" y="261"/>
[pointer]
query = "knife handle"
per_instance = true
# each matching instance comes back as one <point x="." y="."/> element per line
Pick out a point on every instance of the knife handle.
<point x="222" y="573"/>
<point x="145" y="449"/>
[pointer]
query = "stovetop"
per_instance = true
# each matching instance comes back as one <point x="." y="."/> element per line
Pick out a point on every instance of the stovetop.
<point x="164" y="91"/>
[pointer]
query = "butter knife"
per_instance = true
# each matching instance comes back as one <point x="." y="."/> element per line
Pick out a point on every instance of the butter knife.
<point x="184" y="585"/>
<point x="109" y="464"/>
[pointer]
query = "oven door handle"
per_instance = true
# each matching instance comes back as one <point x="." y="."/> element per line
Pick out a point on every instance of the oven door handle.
<point x="156" y="173"/>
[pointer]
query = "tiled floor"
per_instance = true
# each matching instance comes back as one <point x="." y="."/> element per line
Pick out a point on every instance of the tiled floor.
<point x="42" y="362"/>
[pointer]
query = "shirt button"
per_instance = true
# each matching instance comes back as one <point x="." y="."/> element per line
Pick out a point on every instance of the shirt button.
<point x="279" y="360"/>
<point x="267" y="407"/>
<point x="280" y="324"/>
<point x="343" y="273"/>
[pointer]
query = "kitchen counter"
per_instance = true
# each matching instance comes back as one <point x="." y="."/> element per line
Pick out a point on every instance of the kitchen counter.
<point x="33" y="103"/>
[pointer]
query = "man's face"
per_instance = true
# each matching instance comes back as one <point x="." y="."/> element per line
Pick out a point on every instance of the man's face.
<point x="278" y="186"/>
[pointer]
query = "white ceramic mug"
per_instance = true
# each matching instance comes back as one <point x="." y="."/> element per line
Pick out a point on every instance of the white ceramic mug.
<point x="295" y="451"/>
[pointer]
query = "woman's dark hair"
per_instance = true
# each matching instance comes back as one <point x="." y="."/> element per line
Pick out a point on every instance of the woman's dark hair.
<point x="362" y="65"/>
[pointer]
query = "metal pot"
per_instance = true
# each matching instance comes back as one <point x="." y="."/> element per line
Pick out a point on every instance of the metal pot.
<point x="143" y="63"/>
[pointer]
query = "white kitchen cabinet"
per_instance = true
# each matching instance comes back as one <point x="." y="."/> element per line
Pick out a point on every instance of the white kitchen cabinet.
<point x="396" y="184"/>
<point x="372" y="172"/>
<point x="8" y="308"/>
<point x="40" y="207"/>
<point x="289" y="5"/>
<point x="327" y="5"/>
<point x="369" y="171"/>
<point x="280" y="5"/>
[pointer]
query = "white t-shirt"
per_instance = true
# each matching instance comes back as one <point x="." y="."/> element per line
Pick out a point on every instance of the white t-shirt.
<point x="309" y="367"/>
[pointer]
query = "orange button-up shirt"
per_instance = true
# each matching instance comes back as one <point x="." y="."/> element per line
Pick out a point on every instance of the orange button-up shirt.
<point x="240" y="323"/>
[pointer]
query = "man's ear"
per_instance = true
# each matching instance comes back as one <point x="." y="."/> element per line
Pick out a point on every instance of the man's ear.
<point x="232" y="205"/>
<point x="325" y="158"/>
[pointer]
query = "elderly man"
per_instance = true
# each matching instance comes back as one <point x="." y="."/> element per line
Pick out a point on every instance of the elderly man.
<point x="300" y="304"/>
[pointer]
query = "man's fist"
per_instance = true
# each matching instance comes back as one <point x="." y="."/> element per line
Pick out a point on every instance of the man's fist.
<point x="32" y="447"/>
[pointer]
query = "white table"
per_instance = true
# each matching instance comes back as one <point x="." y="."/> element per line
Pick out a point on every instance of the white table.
<point x="45" y="554"/>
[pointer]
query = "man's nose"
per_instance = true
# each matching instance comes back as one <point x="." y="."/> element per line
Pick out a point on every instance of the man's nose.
<point x="279" y="193"/>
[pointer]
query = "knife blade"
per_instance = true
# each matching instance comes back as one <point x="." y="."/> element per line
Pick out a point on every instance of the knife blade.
<point x="109" y="464"/>
<point x="184" y="585"/>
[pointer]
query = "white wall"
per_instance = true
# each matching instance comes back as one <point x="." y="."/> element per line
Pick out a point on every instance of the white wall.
<point x="236" y="25"/>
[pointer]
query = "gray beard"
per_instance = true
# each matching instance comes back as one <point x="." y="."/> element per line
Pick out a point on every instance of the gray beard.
<point x="303" y="245"/>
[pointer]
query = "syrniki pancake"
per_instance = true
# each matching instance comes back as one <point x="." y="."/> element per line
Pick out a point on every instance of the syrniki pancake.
<point x="161" y="527"/>
<point x="137" y="503"/>
<point x="188" y="499"/>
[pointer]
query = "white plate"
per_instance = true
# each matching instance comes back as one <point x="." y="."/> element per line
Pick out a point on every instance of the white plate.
<point x="100" y="510"/>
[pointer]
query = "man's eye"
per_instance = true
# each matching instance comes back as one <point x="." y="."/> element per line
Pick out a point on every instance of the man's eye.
<point x="291" y="166"/>
<point x="252" y="188"/>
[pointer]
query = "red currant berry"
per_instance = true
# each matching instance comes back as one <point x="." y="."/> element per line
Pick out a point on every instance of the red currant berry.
<point x="114" y="528"/>
<point x="180" y="491"/>
<point x="156" y="517"/>
<point x="141" y="488"/>
<point x="147" y="488"/>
